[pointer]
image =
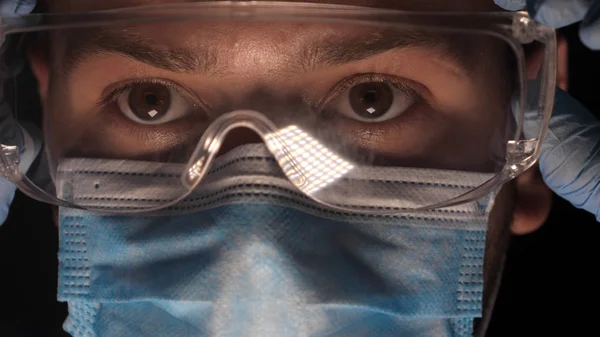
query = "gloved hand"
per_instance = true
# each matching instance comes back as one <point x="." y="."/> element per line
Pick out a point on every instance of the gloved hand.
<point x="570" y="156"/>
<point x="8" y="7"/>
<point x="10" y="132"/>
<point x="560" y="13"/>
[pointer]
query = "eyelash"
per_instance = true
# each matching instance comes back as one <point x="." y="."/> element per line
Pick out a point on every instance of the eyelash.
<point x="114" y="93"/>
<point x="342" y="86"/>
<point x="334" y="93"/>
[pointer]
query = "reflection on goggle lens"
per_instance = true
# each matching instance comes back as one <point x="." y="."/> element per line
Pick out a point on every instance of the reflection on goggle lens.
<point x="307" y="163"/>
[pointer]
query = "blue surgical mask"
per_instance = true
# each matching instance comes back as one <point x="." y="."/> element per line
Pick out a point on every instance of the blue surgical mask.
<point x="247" y="255"/>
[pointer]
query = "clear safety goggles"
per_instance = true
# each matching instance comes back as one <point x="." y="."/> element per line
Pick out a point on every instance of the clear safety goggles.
<point x="335" y="93"/>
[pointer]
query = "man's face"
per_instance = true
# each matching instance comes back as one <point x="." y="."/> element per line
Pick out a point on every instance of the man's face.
<point x="137" y="91"/>
<point x="443" y="97"/>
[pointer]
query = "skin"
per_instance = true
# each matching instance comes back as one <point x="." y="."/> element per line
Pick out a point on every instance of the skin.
<point x="534" y="197"/>
<point x="263" y="70"/>
<point x="449" y="125"/>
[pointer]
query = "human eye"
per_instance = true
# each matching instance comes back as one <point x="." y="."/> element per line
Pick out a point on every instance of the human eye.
<point x="370" y="98"/>
<point x="386" y="118"/>
<point x="145" y="118"/>
<point x="151" y="102"/>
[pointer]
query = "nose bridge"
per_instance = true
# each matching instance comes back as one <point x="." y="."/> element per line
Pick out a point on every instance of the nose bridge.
<point x="229" y="130"/>
<point x="273" y="100"/>
<point x="261" y="112"/>
<point x="237" y="137"/>
<point x="308" y="164"/>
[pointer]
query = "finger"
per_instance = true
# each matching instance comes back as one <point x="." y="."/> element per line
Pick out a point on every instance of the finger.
<point x="10" y="133"/>
<point x="511" y="5"/>
<point x="7" y="192"/>
<point x="570" y="156"/>
<point x="16" y="6"/>
<point x="558" y="13"/>
<point x="589" y="32"/>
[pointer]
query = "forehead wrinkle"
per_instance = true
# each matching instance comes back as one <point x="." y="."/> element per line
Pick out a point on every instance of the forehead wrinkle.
<point x="286" y="50"/>
<point x="127" y="42"/>
<point x="454" y="53"/>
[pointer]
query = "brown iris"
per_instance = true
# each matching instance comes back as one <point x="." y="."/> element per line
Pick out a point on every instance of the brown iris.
<point x="149" y="101"/>
<point x="371" y="100"/>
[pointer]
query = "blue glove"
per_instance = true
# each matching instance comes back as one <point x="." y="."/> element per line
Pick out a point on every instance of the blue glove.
<point x="560" y="13"/>
<point x="8" y="7"/>
<point x="10" y="132"/>
<point x="570" y="156"/>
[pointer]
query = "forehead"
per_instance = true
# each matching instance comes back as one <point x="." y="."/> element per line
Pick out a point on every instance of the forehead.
<point x="412" y="5"/>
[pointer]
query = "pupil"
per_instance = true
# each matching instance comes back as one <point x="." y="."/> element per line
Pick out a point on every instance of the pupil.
<point x="151" y="99"/>
<point x="370" y="97"/>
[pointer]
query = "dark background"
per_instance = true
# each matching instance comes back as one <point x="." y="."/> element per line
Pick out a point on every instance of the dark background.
<point x="551" y="281"/>
<point x="549" y="288"/>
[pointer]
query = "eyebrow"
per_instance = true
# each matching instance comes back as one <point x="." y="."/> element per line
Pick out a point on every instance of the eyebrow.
<point x="316" y="54"/>
<point x="338" y="51"/>
<point x="81" y="45"/>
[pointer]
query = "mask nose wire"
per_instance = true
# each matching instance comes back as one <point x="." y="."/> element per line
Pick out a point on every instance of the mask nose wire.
<point x="213" y="138"/>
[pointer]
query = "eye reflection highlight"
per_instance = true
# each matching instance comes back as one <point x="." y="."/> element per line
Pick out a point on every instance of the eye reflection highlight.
<point x="308" y="164"/>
